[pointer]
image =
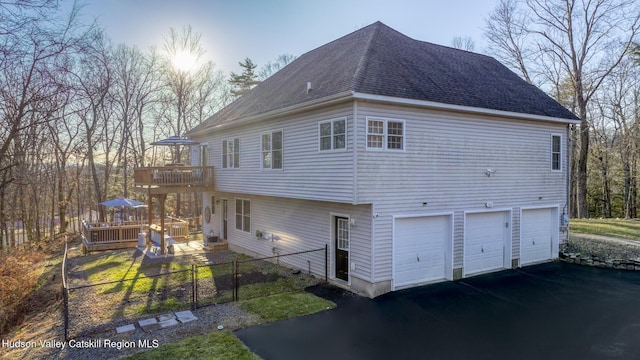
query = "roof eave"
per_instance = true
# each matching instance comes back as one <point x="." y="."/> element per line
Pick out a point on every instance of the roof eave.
<point x="461" y="108"/>
<point x="305" y="106"/>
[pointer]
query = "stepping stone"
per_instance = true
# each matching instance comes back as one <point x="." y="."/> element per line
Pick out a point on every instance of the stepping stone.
<point x="185" y="316"/>
<point x="165" y="317"/>
<point x="167" y="323"/>
<point x="125" y="329"/>
<point x="149" y="324"/>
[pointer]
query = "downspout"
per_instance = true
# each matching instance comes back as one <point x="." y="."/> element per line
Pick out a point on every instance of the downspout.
<point x="564" y="221"/>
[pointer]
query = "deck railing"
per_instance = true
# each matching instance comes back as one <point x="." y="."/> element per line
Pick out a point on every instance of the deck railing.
<point x="175" y="228"/>
<point x="174" y="175"/>
<point x="118" y="235"/>
<point x="111" y="235"/>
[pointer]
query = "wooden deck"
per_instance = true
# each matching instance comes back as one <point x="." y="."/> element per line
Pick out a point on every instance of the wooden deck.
<point x="122" y="235"/>
<point x="173" y="179"/>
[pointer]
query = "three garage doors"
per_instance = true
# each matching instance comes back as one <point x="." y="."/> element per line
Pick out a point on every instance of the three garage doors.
<point x="423" y="245"/>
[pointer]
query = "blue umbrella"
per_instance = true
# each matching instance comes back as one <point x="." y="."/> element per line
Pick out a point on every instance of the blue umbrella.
<point x="121" y="202"/>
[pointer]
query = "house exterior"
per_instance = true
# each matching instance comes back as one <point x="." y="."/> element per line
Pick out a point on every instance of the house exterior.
<point x="413" y="162"/>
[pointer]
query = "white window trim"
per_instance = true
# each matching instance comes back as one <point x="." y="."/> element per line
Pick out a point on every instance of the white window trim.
<point x="385" y="135"/>
<point x="271" y="150"/>
<point x="551" y="152"/>
<point x="227" y="154"/>
<point x="235" y="214"/>
<point x="331" y="121"/>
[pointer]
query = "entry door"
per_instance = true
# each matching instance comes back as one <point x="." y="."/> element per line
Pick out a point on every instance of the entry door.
<point x="225" y="217"/>
<point x="342" y="248"/>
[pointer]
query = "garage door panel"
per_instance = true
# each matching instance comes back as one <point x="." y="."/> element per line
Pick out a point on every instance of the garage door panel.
<point x="485" y="241"/>
<point x="536" y="235"/>
<point x="419" y="249"/>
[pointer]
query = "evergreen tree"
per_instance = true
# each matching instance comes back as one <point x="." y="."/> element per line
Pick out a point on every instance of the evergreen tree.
<point x="241" y="83"/>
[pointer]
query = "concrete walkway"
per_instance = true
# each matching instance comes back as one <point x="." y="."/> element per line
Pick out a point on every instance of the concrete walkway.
<point x="547" y="311"/>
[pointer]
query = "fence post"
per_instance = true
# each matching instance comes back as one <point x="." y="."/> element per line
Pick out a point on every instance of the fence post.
<point x="194" y="287"/>
<point x="65" y="300"/>
<point x="326" y="262"/>
<point x="65" y="291"/>
<point x="234" y="266"/>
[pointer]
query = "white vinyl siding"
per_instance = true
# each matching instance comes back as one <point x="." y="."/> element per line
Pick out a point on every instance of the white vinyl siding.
<point x="271" y="155"/>
<point x="231" y="153"/>
<point x="243" y="215"/>
<point x="333" y="134"/>
<point x="556" y="152"/>
<point x="301" y="225"/>
<point x="443" y="166"/>
<point x="307" y="172"/>
<point x="385" y="134"/>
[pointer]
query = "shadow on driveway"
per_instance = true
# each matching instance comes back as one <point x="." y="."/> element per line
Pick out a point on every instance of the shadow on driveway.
<point x="548" y="311"/>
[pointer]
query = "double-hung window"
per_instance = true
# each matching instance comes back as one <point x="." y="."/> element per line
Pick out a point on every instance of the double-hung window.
<point x="231" y="153"/>
<point x="272" y="150"/>
<point x="556" y="152"/>
<point x="333" y="134"/>
<point x="243" y="215"/>
<point x="385" y="134"/>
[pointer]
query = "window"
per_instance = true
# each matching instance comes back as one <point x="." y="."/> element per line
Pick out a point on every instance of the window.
<point x="333" y="134"/>
<point x="385" y="134"/>
<point x="230" y="153"/>
<point x="243" y="215"/>
<point x="342" y="234"/>
<point x="272" y="150"/>
<point x="213" y="205"/>
<point x="204" y="155"/>
<point x="556" y="152"/>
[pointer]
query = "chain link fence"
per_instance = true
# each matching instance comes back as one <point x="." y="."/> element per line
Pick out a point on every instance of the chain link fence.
<point x="95" y="308"/>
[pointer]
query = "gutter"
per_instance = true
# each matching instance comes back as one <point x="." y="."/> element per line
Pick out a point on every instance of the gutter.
<point x="461" y="108"/>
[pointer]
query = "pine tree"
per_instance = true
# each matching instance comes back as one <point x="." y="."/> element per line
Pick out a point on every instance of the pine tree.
<point x="241" y="83"/>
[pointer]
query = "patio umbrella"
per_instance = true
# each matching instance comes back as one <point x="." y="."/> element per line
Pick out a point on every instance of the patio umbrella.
<point x="175" y="142"/>
<point x="121" y="202"/>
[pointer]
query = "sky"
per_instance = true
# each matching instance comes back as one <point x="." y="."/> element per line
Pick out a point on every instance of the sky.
<point x="262" y="30"/>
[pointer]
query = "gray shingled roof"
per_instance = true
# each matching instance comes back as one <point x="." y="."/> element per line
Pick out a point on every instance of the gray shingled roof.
<point x="379" y="60"/>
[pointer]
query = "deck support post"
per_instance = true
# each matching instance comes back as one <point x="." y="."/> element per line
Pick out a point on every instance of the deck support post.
<point x="162" y="198"/>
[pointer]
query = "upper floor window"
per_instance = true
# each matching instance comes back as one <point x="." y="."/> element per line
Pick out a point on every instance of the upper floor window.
<point x="556" y="152"/>
<point x="333" y="134"/>
<point x="385" y="134"/>
<point x="231" y="153"/>
<point x="272" y="150"/>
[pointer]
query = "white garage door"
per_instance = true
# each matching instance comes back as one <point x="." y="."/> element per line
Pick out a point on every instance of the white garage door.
<point x="485" y="239"/>
<point x="536" y="235"/>
<point x="419" y="248"/>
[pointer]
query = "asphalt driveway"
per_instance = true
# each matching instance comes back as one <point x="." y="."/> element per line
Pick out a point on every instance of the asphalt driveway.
<point x="548" y="311"/>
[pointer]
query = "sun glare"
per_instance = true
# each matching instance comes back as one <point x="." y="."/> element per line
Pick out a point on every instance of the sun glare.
<point x="184" y="61"/>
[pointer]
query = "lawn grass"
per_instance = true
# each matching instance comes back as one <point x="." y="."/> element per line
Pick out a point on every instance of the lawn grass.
<point x="216" y="345"/>
<point x="285" y="306"/>
<point x="225" y="345"/>
<point x="625" y="229"/>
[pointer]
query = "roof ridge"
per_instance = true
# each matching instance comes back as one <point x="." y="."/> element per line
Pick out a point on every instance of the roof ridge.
<point x="362" y="64"/>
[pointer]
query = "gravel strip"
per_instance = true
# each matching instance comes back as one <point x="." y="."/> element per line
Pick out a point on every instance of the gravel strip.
<point x="603" y="247"/>
<point x="229" y="315"/>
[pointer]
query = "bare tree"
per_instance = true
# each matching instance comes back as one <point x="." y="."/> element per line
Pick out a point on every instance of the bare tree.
<point x="586" y="39"/>
<point x="36" y="41"/>
<point x="274" y="66"/>
<point x="463" y="43"/>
